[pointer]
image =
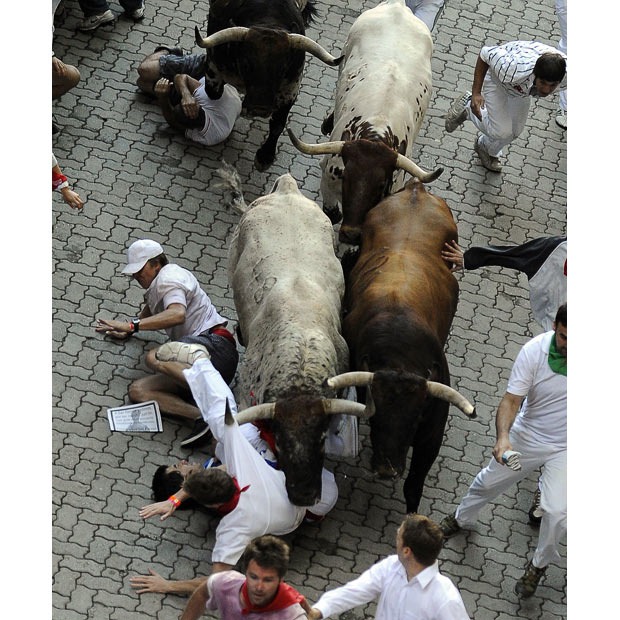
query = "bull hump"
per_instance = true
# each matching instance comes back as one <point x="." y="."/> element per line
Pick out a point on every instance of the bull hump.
<point x="358" y="129"/>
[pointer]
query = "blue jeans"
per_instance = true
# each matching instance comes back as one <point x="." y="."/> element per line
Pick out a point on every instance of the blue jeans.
<point x="96" y="7"/>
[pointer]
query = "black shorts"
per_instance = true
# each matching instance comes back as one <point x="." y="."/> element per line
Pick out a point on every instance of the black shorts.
<point x="223" y="352"/>
<point x="191" y="64"/>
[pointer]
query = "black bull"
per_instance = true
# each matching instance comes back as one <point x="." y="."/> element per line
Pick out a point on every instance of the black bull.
<point x="260" y="49"/>
<point x="400" y="301"/>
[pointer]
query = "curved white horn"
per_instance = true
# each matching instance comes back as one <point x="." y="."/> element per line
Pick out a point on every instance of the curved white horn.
<point x="324" y="148"/>
<point x="301" y="42"/>
<point x="349" y="379"/>
<point x="348" y="407"/>
<point x="439" y="390"/>
<point x="228" y="35"/>
<point x="257" y="412"/>
<point x="404" y="163"/>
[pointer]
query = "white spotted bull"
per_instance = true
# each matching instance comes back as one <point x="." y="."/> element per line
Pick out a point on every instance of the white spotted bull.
<point x="383" y="90"/>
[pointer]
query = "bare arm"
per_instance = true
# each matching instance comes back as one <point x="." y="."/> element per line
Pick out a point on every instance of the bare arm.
<point x="61" y="183"/>
<point x="173" y="315"/>
<point x="477" y="100"/>
<point x="197" y="602"/>
<point x="186" y="85"/>
<point x="165" y="508"/>
<point x="504" y="419"/>
<point x="154" y="582"/>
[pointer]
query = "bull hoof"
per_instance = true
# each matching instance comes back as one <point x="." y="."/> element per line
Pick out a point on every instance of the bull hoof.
<point x="333" y="213"/>
<point x="263" y="160"/>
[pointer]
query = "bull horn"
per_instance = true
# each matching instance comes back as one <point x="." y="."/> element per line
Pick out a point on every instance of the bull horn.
<point x="301" y="42"/>
<point x="439" y="390"/>
<point x="228" y="416"/>
<point x="347" y="407"/>
<point x="228" y="35"/>
<point x="257" y="412"/>
<point x="349" y="379"/>
<point x="325" y="148"/>
<point x="404" y="163"/>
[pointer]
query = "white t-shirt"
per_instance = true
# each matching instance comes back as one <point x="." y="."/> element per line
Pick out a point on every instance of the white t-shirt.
<point x="543" y="414"/>
<point x="175" y="285"/>
<point x="264" y="508"/>
<point x="220" y="115"/>
<point x="428" y="596"/>
<point x="548" y="287"/>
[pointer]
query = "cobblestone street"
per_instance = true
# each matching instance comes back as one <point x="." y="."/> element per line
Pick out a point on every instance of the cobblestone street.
<point x="139" y="178"/>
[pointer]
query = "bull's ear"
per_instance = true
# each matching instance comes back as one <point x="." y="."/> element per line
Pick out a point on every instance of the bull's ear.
<point x="228" y="416"/>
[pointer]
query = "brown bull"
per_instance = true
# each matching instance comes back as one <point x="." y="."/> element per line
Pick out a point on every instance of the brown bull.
<point x="400" y="300"/>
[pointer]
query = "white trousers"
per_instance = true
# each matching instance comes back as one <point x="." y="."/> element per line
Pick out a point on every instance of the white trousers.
<point x="494" y="479"/>
<point x="426" y="10"/>
<point x="503" y="117"/>
<point x="560" y="11"/>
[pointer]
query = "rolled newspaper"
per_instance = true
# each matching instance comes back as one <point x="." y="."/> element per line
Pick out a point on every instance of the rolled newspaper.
<point x="511" y="458"/>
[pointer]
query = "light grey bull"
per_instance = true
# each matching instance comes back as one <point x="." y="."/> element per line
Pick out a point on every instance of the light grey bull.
<point x="288" y="287"/>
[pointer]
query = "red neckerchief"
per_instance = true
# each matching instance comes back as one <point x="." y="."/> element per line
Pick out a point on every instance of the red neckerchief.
<point x="285" y="597"/>
<point x="264" y="428"/>
<point x="231" y="504"/>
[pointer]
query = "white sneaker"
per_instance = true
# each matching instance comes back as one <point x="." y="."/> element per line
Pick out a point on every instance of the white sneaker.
<point x="181" y="352"/>
<point x="457" y="113"/>
<point x="488" y="161"/>
<point x="94" y="21"/>
<point x="562" y="118"/>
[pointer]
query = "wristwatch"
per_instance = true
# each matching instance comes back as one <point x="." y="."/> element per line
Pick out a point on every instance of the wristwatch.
<point x="135" y="324"/>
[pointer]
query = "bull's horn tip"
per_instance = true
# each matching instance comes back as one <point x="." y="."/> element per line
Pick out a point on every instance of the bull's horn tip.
<point x="473" y="413"/>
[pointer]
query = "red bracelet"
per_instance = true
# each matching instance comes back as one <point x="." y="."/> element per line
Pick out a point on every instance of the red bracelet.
<point x="175" y="500"/>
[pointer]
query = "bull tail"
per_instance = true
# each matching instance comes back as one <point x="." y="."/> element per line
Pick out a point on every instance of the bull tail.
<point x="230" y="184"/>
<point x="308" y="12"/>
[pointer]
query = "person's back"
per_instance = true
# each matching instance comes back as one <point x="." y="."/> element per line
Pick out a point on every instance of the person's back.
<point x="174" y="284"/>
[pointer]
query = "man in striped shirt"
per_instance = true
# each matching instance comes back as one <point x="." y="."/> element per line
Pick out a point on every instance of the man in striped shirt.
<point x="505" y="77"/>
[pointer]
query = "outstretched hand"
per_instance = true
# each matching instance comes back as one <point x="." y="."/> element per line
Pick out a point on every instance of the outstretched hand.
<point x="452" y="253"/>
<point x="165" y="509"/>
<point x="149" y="583"/>
<point x="114" y="329"/>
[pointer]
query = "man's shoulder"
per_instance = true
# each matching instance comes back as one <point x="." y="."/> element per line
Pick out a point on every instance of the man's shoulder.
<point x="175" y="273"/>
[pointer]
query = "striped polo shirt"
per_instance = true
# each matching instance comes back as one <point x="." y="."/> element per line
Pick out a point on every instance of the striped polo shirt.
<point x="512" y="64"/>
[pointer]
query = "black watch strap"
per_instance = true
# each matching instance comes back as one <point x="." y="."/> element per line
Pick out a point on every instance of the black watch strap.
<point x="136" y="325"/>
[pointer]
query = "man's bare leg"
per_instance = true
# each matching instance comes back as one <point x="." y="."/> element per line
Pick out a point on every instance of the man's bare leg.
<point x="167" y="386"/>
<point x="148" y="72"/>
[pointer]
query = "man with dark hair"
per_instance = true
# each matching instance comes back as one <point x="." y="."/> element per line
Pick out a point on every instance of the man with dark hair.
<point x="505" y="78"/>
<point x="409" y="580"/>
<point x="259" y="594"/>
<point x="531" y="433"/>
<point x="175" y="302"/>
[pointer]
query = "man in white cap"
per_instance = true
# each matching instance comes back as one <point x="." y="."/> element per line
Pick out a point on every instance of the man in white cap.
<point x="175" y="302"/>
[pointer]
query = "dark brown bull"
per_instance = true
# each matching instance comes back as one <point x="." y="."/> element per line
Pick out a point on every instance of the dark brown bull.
<point x="400" y="300"/>
<point x="259" y="47"/>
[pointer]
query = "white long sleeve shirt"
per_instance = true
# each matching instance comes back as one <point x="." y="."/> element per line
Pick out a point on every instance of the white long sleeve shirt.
<point x="428" y="596"/>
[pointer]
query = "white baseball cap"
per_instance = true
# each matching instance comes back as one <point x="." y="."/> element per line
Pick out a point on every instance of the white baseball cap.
<point x="139" y="252"/>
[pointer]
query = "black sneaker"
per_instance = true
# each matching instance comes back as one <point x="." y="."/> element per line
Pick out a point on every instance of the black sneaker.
<point x="527" y="584"/>
<point x="449" y="526"/>
<point x="200" y="434"/>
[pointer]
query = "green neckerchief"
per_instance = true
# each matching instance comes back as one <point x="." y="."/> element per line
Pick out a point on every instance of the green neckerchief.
<point x="557" y="362"/>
